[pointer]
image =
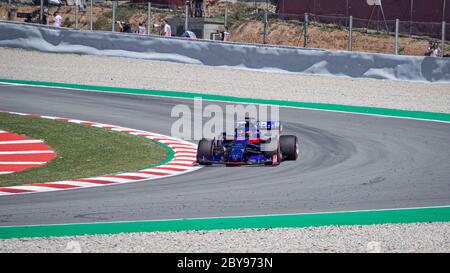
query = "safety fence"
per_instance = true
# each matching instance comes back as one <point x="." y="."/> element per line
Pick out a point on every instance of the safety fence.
<point x="249" y="22"/>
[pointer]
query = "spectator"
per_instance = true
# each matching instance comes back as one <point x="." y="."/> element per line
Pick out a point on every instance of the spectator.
<point x="167" y="29"/>
<point x="429" y="49"/>
<point x="58" y="19"/>
<point x="124" y="26"/>
<point x="226" y="35"/>
<point x="141" y="29"/>
<point x="82" y="5"/>
<point x="436" y="50"/>
<point x="44" y="17"/>
<point x="198" y="8"/>
<point x="189" y="34"/>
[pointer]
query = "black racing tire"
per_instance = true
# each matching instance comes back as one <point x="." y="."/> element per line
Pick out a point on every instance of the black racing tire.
<point x="289" y="147"/>
<point x="205" y="149"/>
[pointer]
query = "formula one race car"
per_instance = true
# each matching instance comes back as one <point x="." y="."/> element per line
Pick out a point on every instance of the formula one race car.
<point x="253" y="143"/>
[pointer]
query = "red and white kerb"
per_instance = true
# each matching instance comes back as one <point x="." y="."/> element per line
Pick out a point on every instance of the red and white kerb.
<point x="183" y="162"/>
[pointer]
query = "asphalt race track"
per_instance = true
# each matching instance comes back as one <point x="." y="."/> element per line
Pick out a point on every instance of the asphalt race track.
<point x="347" y="162"/>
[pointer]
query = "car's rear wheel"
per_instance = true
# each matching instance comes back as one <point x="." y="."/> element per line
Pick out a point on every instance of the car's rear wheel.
<point x="289" y="147"/>
<point x="205" y="150"/>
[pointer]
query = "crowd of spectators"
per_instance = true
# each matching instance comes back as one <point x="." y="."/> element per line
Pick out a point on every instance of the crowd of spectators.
<point x="165" y="29"/>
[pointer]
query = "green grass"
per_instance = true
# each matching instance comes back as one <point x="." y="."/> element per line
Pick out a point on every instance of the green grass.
<point x="82" y="151"/>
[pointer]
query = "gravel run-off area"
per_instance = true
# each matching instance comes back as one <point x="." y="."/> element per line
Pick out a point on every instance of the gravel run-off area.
<point x="424" y="237"/>
<point x="134" y="73"/>
<point x="121" y="72"/>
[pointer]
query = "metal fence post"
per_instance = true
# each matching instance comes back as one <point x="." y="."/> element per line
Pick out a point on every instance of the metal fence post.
<point x="443" y="38"/>
<point x="350" y="34"/>
<point x="265" y="27"/>
<point x="305" y="42"/>
<point x="77" y="2"/>
<point x="225" y="20"/>
<point x="443" y="10"/>
<point x="91" y="24"/>
<point x="397" y="25"/>
<point x="186" y="15"/>
<point x="41" y="13"/>
<point x="9" y="9"/>
<point x="113" y="28"/>
<point x="149" y="14"/>
<point x="411" y="18"/>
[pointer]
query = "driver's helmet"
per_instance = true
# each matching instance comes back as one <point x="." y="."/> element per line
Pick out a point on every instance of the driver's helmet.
<point x="249" y="126"/>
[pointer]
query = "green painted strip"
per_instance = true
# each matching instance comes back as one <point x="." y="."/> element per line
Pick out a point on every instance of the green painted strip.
<point x="400" y="216"/>
<point x="188" y="95"/>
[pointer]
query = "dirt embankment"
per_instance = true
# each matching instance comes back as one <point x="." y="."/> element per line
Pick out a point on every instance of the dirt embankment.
<point x="285" y="33"/>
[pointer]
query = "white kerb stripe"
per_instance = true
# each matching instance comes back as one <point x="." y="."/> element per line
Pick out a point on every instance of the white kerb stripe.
<point x="184" y="154"/>
<point x="6" y="172"/>
<point x="162" y="172"/>
<point x="27" y="152"/>
<point x="76" y="183"/>
<point x="143" y="175"/>
<point x="76" y="121"/>
<point x="21" y="163"/>
<point x="21" y="141"/>
<point x="48" y="117"/>
<point x="33" y="188"/>
<point x="111" y="179"/>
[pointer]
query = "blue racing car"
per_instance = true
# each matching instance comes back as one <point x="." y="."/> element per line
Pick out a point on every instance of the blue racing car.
<point x="253" y="143"/>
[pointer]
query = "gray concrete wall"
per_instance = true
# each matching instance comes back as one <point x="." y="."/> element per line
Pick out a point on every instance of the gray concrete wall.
<point x="213" y="53"/>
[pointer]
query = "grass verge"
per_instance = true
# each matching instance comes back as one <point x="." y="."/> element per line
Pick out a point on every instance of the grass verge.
<point x="82" y="151"/>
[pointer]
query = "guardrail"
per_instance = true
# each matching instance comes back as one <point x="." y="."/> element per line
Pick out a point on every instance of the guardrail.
<point x="215" y="53"/>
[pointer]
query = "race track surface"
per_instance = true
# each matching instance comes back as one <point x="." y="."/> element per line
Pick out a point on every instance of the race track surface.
<point x="347" y="162"/>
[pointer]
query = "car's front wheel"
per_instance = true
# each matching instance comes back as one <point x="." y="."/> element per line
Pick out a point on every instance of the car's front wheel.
<point x="204" y="150"/>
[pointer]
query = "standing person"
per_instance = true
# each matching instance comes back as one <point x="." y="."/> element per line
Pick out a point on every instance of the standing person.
<point x="58" y="19"/>
<point x="83" y="5"/>
<point x="226" y="35"/>
<point x="44" y="17"/>
<point x="167" y="29"/>
<point x="198" y="8"/>
<point x="436" y="50"/>
<point x="124" y="26"/>
<point x="141" y="29"/>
